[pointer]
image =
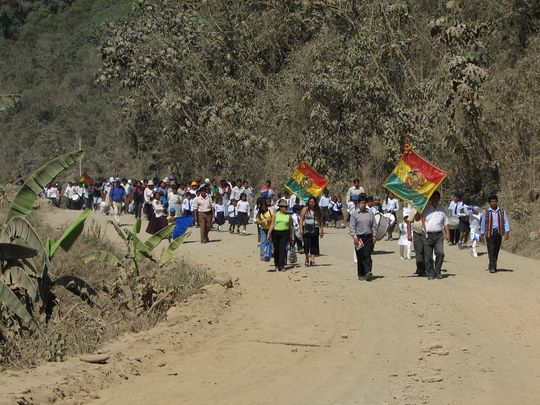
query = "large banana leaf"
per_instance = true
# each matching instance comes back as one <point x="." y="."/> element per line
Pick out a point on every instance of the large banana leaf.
<point x="103" y="257"/>
<point x="168" y="252"/>
<point x="10" y="300"/>
<point x="12" y="251"/>
<point x="79" y="287"/>
<point x="70" y="235"/>
<point x="16" y="276"/>
<point x="136" y="226"/>
<point x="24" y="200"/>
<point x="140" y="250"/>
<point x="19" y="230"/>
<point x="156" y="238"/>
<point x="8" y="101"/>
<point x="118" y="230"/>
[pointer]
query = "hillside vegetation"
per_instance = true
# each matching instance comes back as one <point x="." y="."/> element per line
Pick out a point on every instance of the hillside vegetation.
<point x="247" y="88"/>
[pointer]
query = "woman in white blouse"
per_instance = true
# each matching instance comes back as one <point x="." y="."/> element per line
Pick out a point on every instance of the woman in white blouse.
<point x="158" y="219"/>
<point x="390" y="208"/>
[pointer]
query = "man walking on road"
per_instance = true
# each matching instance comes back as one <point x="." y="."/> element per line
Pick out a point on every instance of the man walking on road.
<point x="434" y="222"/>
<point x="363" y="230"/>
<point x="202" y="206"/>
<point x="117" y="195"/>
<point x="356" y="189"/>
<point x="493" y="226"/>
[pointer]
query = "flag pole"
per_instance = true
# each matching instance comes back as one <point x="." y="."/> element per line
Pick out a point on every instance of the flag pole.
<point x="80" y="161"/>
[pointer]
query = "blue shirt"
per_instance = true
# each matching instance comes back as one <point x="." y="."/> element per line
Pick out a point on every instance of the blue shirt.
<point x="495" y="224"/>
<point x="117" y="193"/>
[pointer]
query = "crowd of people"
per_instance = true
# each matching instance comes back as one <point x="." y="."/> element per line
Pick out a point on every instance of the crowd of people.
<point x="287" y="225"/>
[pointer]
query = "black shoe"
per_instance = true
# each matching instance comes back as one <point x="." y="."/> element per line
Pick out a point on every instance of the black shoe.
<point x="369" y="276"/>
<point x="492" y="271"/>
<point x="361" y="278"/>
<point x="430" y="277"/>
<point x="439" y="277"/>
<point x="281" y="269"/>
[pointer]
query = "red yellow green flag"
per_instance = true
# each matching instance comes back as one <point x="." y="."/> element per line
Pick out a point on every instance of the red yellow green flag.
<point x="85" y="178"/>
<point x="414" y="179"/>
<point x="306" y="182"/>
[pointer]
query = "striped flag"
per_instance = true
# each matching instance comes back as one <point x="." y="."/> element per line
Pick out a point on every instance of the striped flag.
<point x="306" y="182"/>
<point x="414" y="179"/>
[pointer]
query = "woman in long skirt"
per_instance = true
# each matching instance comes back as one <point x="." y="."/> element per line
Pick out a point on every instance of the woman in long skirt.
<point x="158" y="218"/>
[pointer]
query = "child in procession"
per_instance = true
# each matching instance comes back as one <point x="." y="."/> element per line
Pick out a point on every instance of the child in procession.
<point x="337" y="211"/>
<point x="219" y="213"/>
<point x="231" y="210"/>
<point x="242" y="210"/>
<point x="403" y="242"/>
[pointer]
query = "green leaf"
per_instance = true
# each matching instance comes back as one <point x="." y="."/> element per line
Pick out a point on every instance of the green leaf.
<point x="10" y="251"/>
<point x="79" y="287"/>
<point x="118" y="230"/>
<point x="10" y="300"/>
<point x="136" y="226"/>
<point x="19" y="230"/>
<point x="24" y="200"/>
<point x="103" y="257"/>
<point x="71" y="234"/>
<point x="8" y="101"/>
<point x="16" y="276"/>
<point x="156" y="238"/>
<point x="168" y="252"/>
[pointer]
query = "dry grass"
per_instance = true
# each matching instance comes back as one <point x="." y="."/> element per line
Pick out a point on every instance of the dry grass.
<point x="76" y="327"/>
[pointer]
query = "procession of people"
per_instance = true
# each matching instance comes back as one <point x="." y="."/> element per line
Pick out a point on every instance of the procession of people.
<point x="288" y="225"/>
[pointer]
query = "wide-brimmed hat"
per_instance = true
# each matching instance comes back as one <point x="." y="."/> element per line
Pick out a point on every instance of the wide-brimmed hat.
<point x="150" y="182"/>
<point x="283" y="203"/>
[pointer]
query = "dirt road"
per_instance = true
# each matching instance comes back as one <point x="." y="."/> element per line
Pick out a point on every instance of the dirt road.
<point x="319" y="336"/>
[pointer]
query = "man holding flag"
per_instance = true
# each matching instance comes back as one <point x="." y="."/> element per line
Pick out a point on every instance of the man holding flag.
<point x="415" y="180"/>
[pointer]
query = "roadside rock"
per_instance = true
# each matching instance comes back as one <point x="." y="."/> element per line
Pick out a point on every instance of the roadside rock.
<point x="224" y="279"/>
<point x="95" y="358"/>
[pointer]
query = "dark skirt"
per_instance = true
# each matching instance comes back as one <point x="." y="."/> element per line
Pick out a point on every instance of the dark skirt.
<point x="311" y="243"/>
<point x="220" y="218"/>
<point x="337" y="215"/>
<point x="233" y="221"/>
<point x="242" y="218"/>
<point x="156" y="224"/>
<point x="464" y="226"/>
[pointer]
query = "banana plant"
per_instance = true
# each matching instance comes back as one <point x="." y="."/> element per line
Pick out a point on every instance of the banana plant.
<point x="39" y="285"/>
<point x="24" y="201"/>
<point x="137" y="251"/>
<point x="13" y="277"/>
<point x="18" y="238"/>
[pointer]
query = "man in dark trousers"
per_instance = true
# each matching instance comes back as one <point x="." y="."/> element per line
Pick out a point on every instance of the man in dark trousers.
<point x="363" y="230"/>
<point x="435" y="225"/>
<point x="493" y="226"/>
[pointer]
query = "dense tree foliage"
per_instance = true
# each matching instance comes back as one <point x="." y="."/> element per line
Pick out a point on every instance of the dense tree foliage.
<point x="246" y="87"/>
<point x="250" y="87"/>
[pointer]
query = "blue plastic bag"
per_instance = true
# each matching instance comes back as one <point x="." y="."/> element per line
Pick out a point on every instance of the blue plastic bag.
<point x="267" y="250"/>
<point x="181" y="225"/>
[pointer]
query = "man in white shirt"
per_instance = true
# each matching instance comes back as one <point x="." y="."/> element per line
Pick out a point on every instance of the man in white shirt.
<point x="356" y="189"/>
<point x="202" y="206"/>
<point x="68" y="193"/>
<point x="324" y="203"/>
<point x="435" y="223"/>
